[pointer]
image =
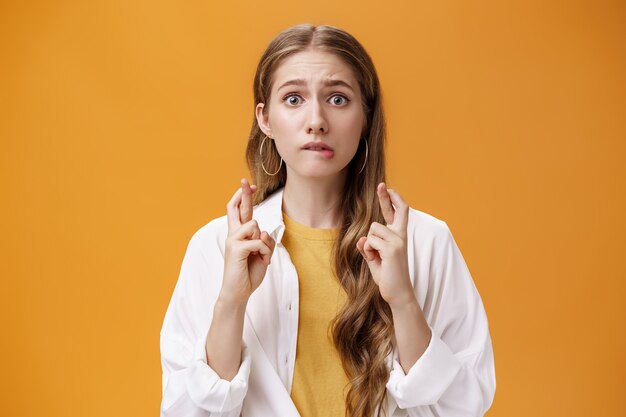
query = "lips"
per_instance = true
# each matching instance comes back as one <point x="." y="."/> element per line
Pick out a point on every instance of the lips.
<point x="317" y="146"/>
<point x="320" y="149"/>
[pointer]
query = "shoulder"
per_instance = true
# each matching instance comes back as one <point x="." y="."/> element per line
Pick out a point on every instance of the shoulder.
<point x="212" y="233"/>
<point x="425" y="226"/>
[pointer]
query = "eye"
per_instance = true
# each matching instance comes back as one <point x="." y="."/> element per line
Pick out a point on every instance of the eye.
<point x="339" y="99"/>
<point x="292" y="99"/>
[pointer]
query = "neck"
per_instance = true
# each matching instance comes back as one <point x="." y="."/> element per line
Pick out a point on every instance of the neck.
<point x="314" y="202"/>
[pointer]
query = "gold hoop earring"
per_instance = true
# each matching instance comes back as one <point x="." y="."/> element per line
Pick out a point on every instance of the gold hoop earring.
<point x="366" y="152"/>
<point x="261" y="153"/>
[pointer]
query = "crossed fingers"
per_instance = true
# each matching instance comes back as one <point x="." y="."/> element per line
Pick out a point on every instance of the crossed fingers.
<point x="395" y="210"/>
<point x="239" y="208"/>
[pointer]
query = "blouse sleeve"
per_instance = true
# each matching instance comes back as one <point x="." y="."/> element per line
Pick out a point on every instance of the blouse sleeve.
<point x="455" y="376"/>
<point x="190" y="387"/>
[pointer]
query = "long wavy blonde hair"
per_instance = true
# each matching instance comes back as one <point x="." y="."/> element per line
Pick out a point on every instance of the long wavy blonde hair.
<point x="362" y="331"/>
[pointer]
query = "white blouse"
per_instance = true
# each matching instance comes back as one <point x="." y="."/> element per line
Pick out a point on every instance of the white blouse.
<point x="454" y="377"/>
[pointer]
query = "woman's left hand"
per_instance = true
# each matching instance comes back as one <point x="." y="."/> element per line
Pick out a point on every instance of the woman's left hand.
<point x="385" y="249"/>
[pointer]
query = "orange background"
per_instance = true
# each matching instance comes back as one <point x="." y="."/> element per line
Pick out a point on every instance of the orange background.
<point x="123" y="127"/>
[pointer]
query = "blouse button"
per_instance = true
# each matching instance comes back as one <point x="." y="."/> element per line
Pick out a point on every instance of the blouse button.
<point x="289" y="306"/>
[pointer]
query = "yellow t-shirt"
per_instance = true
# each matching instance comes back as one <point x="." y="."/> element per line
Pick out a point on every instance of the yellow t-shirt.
<point x="319" y="380"/>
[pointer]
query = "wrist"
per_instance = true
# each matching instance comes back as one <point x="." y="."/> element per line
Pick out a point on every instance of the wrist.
<point x="231" y="303"/>
<point x="408" y="303"/>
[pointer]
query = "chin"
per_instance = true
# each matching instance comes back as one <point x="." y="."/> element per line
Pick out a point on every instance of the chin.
<point x="317" y="173"/>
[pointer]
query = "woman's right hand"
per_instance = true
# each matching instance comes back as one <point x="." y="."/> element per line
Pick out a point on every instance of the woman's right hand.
<point x="248" y="250"/>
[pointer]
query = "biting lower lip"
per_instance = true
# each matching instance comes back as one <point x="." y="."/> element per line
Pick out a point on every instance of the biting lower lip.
<point x="326" y="153"/>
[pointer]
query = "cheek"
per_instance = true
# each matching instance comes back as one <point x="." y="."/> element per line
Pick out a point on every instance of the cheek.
<point x="282" y="121"/>
<point x="355" y="146"/>
<point x="354" y="116"/>
<point x="279" y="147"/>
<point x="350" y="125"/>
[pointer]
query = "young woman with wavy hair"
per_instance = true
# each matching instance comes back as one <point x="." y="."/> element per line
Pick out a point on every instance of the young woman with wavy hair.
<point x="319" y="277"/>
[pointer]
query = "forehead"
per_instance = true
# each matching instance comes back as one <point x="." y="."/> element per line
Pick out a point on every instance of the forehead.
<point x="313" y="66"/>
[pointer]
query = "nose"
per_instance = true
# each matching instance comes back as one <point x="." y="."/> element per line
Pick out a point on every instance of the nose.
<point x="317" y="120"/>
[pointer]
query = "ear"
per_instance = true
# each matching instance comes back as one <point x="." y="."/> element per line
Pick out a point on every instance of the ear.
<point x="263" y="119"/>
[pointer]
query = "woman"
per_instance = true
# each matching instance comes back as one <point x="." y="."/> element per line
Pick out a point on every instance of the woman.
<point x="319" y="277"/>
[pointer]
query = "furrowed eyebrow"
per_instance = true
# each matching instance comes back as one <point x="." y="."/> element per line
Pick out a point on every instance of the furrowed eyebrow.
<point x="329" y="83"/>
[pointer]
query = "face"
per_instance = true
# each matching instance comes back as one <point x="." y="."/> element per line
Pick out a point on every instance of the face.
<point x="315" y="103"/>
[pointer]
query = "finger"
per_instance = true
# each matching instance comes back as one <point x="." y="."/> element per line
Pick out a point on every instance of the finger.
<point x="383" y="232"/>
<point x="269" y="240"/>
<point x="401" y="209"/>
<point x="246" y="231"/>
<point x="245" y="207"/>
<point x="385" y="203"/>
<point x="257" y="232"/>
<point x="370" y="251"/>
<point x="232" y="213"/>
<point x="365" y="250"/>
<point x="271" y="243"/>
<point x="255" y="247"/>
<point x="375" y="244"/>
<point x="359" y="245"/>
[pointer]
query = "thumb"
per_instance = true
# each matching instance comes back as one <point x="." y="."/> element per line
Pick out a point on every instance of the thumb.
<point x="360" y="244"/>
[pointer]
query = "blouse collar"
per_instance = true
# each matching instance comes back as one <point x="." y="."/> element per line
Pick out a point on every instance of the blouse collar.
<point x="269" y="215"/>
